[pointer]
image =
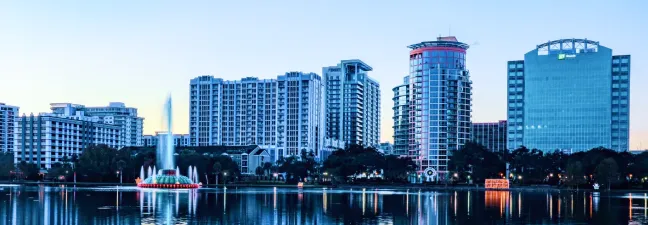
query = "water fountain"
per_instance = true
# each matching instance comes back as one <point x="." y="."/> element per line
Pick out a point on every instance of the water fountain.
<point x="169" y="176"/>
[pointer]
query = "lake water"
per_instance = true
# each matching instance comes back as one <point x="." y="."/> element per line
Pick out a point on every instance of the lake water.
<point x="130" y="205"/>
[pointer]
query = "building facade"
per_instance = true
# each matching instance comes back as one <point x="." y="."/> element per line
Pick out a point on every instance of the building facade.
<point x="401" y="118"/>
<point x="569" y="95"/>
<point x="179" y="140"/>
<point x="490" y="135"/>
<point x="352" y="102"/>
<point x="386" y="148"/>
<point x="49" y="138"/>
<point x="440" y="93"/>
<point x="8" y="115"/>
<point x="283" y="115"/>
<point x="115" y="113"/>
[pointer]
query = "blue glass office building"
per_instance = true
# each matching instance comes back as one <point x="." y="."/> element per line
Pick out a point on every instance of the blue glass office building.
<point x="570" y="95"/>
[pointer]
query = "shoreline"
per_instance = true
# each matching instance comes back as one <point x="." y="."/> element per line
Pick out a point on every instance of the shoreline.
<point x="350" y="186"/>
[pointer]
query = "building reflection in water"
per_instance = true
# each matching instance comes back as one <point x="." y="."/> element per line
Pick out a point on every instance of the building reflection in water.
<point x="110" y="205"/>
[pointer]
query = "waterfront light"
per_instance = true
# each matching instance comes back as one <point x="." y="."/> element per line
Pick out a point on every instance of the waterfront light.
<point x="456" y="175"/>
<point x="519" y="177"/>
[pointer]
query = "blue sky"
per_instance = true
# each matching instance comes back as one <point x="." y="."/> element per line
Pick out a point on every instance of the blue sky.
<point x="92" y="52"/>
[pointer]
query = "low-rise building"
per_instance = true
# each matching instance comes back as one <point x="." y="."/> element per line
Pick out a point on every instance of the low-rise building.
<point x="248" y="157"/>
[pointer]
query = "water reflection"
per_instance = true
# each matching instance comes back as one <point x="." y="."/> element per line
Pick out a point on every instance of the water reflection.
<point x="111" y="205"/>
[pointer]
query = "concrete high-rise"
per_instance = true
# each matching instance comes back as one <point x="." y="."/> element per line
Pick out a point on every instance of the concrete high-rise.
<point x="569" y="95"/>
<point x="283" y="115"/>
<point x="8" y="115"/>
<point x="440" y="93"/>
<point x="352" y="102"/>
<point x="116" y="113"/>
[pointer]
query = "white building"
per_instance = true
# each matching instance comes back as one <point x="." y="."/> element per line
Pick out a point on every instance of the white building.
<point x="179" y="140"/>
<point x="282" y="115"/>
<point x="352" y="101"/>
<point x="8" y="115"/>
<point x="48" y="138"/>
<point x="115" y="113"/>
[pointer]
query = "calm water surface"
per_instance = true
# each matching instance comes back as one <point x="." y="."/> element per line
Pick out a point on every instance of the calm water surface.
<point x="129" y="205"/>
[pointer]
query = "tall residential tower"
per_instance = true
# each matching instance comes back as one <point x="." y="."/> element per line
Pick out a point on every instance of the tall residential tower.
<point x="439" y="104"/>
<point x="569" y="95"/>
<point x="8" y="115"/>
<point x="282" y="115"/>
<point x="352" y="102"/>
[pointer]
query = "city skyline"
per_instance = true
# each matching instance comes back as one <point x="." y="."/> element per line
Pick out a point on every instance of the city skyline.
<point x="86" y="53"/>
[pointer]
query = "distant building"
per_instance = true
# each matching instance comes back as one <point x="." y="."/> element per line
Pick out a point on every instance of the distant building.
<point x="490" y="135"/>
<point x="285" y="116"/>
<point x="179" y="140"/>
<point x="8" y="115"/>
<point x="570" y="95"/>
<point x="401" y="118"/>
<point x="49" y="138"/>
<point x="386" y="148"/>
<point x="115" y="113"/>
<point x="352" y="100"/>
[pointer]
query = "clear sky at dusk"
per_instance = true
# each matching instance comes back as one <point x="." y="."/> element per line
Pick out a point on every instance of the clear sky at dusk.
<point x="136" y="52"/>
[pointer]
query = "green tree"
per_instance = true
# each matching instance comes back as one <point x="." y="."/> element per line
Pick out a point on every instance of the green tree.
<point x="607" y="172"/>
<point x="99" y="163"/>
<point x="229" y="169"/>
<point x="477" y="161"/>
<point x="397" y="168"/>
<point x="27" y="171"/>
<point x="6" y="164"/>
<point x="296" y="168"/>
<point x="575" y="173"/>
<point x="58" y="170"/>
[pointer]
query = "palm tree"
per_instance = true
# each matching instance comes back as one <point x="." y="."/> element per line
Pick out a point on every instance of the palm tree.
<point x="216" y="169"/>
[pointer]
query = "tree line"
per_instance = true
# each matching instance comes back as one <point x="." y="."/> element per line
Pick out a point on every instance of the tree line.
<point x="104" y="164"/>
<point x="599" y="165"/>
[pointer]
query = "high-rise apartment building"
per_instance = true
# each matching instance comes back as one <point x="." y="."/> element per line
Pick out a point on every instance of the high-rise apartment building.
<point x="8" y="115"/>
<point x="115" y="113"/>
<point x="440" y="104"/>
<point x="49" y="138"/>
<point x="352" y="102"/>
<point x="401" y="118"/>
<point x="490" y="135"/>
<point x="569" y="95"/>
<point x="283" y="115"/>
